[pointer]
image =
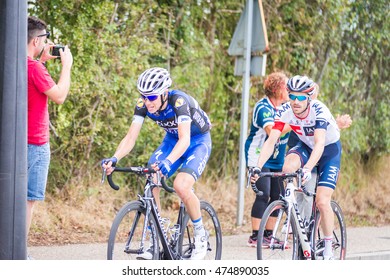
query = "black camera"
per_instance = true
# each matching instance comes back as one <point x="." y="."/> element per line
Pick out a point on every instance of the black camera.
<point x="55" y="51"/>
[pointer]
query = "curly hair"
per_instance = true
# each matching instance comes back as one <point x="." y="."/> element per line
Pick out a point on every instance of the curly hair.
<point x="273" y="82"/>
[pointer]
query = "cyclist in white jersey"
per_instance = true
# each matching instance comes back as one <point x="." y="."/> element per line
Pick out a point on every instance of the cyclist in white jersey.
<point x="319" y="142"/>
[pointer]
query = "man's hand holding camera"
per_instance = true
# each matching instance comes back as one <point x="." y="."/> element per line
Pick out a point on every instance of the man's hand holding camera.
<point x="66" y="57"/>
<point x="52" y="51"/>
<point x="46" y="53"/>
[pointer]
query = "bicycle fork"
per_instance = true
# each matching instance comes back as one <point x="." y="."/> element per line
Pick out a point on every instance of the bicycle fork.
<point x="145" y="228"/>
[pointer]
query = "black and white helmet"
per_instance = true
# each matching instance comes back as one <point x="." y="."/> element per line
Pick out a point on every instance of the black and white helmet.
<point x="301" y="84"/>
<point x="154" y="81"/>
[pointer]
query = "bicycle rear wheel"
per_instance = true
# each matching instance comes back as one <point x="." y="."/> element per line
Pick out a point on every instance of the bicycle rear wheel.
<point x="339" y="235"/>
<point x="124" y="242"/>
<point x="283" y="243"/>
<point x="211" y="224"/>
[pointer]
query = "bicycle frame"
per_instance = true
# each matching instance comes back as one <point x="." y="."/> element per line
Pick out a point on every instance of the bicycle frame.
<point x="304" y="234"/>
<point x="306" y="227"/>
<point x="151" y="208"/>
<point x="167" y="242"/>
<point x="292" y="205"/>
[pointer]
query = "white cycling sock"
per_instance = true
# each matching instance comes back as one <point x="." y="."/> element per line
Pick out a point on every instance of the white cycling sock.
<point x="328" y="245"/>
<point x="198" y="227"/>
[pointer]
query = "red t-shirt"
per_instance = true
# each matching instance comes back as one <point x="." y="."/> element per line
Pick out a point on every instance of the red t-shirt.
<point x="39" y="81"/>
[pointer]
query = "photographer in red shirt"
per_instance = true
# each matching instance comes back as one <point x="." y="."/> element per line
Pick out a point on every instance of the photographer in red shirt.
<point x="41" y="87"/>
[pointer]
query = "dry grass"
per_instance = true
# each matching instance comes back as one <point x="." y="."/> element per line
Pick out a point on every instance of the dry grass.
<point x="365" y="194"/>
<point x="84" y="213"/>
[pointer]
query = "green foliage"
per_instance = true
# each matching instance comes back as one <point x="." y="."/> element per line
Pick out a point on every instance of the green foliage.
<point x="344" y="45"/>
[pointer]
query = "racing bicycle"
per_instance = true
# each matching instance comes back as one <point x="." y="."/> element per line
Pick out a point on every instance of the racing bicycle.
<point x="138" y="225"/>
<point x="295" y="238"/>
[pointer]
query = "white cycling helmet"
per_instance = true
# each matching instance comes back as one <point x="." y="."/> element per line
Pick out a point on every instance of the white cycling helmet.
<point x="154" y="81"/>
<point x="301" y="84"/>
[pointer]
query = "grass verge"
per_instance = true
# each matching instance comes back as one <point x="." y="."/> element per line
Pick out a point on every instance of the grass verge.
<point x="83" y="212"/>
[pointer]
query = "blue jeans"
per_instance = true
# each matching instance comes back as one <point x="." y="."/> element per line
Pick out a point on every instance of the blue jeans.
<point x="38" y="169"/>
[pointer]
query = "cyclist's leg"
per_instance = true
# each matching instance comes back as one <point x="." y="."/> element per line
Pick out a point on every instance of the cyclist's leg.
<point x="213" y="226"/>
<point x="328" y="168"/>
<point x="296" y="157"/>
<point x="194" y="162"/>
<point x="183" y="185"/>
<point x="323" y="198"/>
<point x="305" y="202"/>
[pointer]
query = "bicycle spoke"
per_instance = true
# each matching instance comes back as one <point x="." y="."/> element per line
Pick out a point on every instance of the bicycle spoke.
<point x="281" y="245"/>
<point x="126" y="241"/>
<point x="212" y="225"/>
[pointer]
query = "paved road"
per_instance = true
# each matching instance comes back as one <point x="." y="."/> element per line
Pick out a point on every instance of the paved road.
<point x="365" y="243"/>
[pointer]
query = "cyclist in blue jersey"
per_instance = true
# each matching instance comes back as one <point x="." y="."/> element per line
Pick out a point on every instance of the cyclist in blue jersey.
<point x="319" y="142"/>
<point x="187" y="143"/>
<point x="262" y="123"/>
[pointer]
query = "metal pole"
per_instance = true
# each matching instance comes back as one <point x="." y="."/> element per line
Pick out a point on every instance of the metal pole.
<point x="13" y="129"/>
<point x="244" y="114"/>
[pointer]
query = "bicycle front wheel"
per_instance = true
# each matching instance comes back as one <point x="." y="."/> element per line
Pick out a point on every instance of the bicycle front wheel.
<point x="124" y="242"/>
<point x="276" y="239"/>
<point x="339" y="243"/>
<point x="211" y="224"/>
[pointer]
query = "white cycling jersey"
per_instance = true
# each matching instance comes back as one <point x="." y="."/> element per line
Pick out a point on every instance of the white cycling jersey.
<point x="319" y="117"/>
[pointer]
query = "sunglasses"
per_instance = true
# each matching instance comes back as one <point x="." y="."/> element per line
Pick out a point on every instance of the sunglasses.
<point x="47" y="35"/>
<point x="150" y="97"/>
<point x="299" y="97"/>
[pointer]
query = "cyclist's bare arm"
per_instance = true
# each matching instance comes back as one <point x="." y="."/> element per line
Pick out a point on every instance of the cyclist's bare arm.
<point x="268" y="129"/>
<point x="268" y="147"/>
<point x="318" y="149"/>
<point x="126" y="145"/>
<point x="128" y="142"/>
<point x="266" y="151"/>
<point x="286" y="129"/>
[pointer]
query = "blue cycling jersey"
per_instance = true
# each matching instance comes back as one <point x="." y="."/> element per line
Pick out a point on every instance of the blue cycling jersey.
<point x="181" y="108"/>
<point x="263" y="115"/>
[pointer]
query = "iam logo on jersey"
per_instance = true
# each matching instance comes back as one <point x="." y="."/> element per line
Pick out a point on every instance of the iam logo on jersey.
<point x="309" y="131"/>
